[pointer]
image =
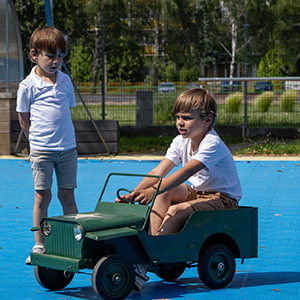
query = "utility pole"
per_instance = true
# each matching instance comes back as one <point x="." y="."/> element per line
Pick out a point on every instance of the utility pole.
<point x="245" y="129"/>
<point x="103" y="67"/>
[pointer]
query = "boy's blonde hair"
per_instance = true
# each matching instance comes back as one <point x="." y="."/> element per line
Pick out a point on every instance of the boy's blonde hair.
<point x="49" y="39"/>
<point x="197" y="99"/>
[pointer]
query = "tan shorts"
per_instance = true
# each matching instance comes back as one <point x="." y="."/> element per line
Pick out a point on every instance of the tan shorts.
<point x="63" y="162"/>
<point x="210" y="201"/>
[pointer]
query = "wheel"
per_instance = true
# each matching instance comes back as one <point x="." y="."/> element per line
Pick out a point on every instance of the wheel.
<point x="113" y="278"/>
<point x="51" y="279"/>
<point x="216" y="266"/>
<point x="170" y="272"/>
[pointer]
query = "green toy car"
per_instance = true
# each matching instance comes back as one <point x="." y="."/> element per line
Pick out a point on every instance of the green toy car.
<point x="113" y="238"/>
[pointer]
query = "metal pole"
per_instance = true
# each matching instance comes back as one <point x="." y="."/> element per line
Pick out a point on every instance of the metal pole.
<point x="103" y="67"/>
<point x="245" y="133"/>
<point x="7" y="46"/>
<point x="49" y="12"/>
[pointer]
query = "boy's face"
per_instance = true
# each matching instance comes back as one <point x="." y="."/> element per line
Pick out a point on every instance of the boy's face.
<point x="47" y="63"/>
<point x="190" y="124"/>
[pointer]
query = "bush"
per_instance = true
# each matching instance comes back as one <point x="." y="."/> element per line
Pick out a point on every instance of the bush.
<point x="234" y="102"/>
<point x="163" y="108"/>
<point x="287" y="100"/>
<point x="263" y="101"/>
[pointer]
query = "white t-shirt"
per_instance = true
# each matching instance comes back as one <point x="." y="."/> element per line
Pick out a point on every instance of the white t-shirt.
<point x="51" y="127"/>
<point x="219" y="174"/>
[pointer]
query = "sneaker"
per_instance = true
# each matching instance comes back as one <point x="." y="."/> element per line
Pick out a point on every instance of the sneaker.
<point x="140" y="277"/>
<point x="37" y="248"/>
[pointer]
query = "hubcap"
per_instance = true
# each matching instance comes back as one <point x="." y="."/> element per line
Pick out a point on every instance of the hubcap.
<point x="117" y="278"/>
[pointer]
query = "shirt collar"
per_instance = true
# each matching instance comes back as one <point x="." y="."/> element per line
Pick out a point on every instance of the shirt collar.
<point x="39" y="82"/>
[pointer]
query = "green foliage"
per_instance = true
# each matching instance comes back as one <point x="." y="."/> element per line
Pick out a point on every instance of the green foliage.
<point x="263" y="101"/>
<point x="163" y="108"/>
<point x="171" y="72"/>
<point x="270" y="65"/>
<point x="234" y="102"/>
<point x="187" y="74"/>
<point x="126" y="61"/>
<point x="287" y="100"/>
<point x="81" y="62"/>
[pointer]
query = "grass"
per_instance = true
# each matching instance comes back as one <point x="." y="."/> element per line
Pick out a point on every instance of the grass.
<point x="238" y="146"/>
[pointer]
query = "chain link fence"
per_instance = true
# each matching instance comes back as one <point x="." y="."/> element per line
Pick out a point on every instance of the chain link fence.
<point x="249" y="102"/>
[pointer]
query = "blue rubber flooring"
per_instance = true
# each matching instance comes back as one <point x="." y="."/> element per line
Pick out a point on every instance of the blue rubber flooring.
<point x="272" y="186"/>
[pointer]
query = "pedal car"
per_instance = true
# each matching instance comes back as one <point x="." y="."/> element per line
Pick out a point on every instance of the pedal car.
<point x="113" y="238"/>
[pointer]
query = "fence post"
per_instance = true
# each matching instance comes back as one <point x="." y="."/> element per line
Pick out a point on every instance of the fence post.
<point x="245" y="127"/>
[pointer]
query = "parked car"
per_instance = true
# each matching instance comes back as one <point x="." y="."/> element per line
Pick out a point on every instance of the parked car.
<point x="113" y="238"/>
<point x="263" y="86"/>
<point x="192" y="85"/>
<point x="167" y="87"/>
<point x="226" y="87"/>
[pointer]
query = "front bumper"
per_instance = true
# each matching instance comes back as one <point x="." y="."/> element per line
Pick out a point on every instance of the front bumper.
<point x="59" y="262"/>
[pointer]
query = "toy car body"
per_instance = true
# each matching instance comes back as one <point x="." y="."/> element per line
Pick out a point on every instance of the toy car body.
<point x="113" y="238"/>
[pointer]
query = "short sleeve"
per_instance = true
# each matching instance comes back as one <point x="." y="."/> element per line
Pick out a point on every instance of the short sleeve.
<point x="23" y="98"/>
<point x="72" y="95"/>
<point x="174" y="151"/>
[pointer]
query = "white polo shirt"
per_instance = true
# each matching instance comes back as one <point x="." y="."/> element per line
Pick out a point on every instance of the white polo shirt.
<point x="219" y="174"/>
<point x="51" y="127"/>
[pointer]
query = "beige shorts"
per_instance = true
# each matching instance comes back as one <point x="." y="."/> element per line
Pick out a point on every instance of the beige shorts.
<point x="210" y="201"/>
<point x="63" y="162"/>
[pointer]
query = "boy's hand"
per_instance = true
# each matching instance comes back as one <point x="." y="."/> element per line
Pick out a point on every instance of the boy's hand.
<point x="145" y="196"/>
<point x="128" y="197"/>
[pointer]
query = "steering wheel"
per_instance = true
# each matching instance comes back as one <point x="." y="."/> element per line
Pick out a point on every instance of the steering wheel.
<point x="123" y="199"/>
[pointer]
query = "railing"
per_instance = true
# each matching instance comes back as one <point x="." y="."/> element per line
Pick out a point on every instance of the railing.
<point x="241" y="102"/>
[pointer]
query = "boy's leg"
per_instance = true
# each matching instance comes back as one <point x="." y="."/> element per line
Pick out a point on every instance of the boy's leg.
<point x="67" y="200"/>
<point x="176" y="216"/>
<point x="163" y="202"/>
<point x="42" y="169"/>
<point x="179" y="213"/>
<point x="66" y="173"/>
<point x="41" y="203"/>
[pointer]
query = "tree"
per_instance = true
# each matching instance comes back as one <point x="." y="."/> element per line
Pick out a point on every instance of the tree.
<point x="270" y="65"/>
<point x="287" y="34"/>
<point x="81" y="60"/>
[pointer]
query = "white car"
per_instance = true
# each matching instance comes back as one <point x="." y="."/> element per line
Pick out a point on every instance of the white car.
<point x="167" y="87"/>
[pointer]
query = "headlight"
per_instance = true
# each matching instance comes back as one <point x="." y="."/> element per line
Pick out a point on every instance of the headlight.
<point x="78" y="234"/>
<point x="46" y="228"/>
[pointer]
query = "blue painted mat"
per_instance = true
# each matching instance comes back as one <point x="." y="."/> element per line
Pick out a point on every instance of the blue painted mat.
<point x="272" y="186"/>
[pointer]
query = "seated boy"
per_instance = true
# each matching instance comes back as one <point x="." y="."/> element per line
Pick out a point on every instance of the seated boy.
<point x="206" y="163"/>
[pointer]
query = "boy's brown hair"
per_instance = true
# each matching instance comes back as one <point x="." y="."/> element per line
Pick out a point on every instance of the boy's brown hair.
<point x="49" y="39"/>
<point x="197" y="99"/>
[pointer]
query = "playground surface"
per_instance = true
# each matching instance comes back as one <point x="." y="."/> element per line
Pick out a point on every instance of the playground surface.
<point x="271" y="185"/>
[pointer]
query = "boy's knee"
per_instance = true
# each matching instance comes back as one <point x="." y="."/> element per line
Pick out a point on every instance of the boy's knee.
<point x="173" y="210"/>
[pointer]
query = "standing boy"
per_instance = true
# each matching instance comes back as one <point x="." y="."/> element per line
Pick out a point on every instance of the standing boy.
<point x="206" y="163"/>
<point x="43" y="104"/>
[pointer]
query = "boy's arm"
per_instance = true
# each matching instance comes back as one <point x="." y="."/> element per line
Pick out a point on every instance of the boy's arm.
<point x="175" y="179"/>
<point x="24" y="120"/>
<point x="181" y="175"/>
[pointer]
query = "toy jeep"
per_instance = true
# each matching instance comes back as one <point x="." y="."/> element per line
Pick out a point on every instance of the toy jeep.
<point x="113" y="238"/>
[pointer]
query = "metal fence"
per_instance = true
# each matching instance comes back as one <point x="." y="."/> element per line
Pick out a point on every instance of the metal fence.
<point x="249" y="102"/>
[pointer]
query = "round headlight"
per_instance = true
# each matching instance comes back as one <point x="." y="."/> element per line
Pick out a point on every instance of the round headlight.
<point x="46" y="228"/>
<point x="78" y="234"/>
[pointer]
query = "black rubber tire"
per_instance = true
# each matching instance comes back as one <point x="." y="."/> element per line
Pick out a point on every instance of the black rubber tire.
<point x="216" y="266"/>
<point x="170" y="271"/>
<point x="113" y="278"/>
<point x="53" y="280"/>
